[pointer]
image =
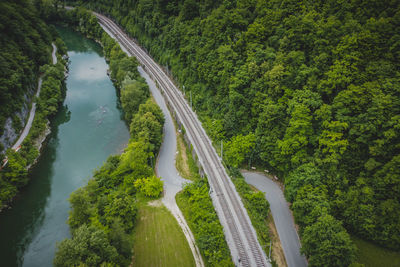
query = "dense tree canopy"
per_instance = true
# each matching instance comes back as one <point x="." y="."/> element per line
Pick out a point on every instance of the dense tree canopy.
<point x="24" y="46"/>
<point x="307" y="90"/>
<point x="334" y="248"/>
<point x="316" y="82"/>
<point x="25" y="51"/>
<point x="89" y="246"/>
<point x="103" y="213"/>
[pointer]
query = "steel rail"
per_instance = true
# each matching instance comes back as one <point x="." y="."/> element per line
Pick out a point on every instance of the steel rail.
<point x="231" y="207"/>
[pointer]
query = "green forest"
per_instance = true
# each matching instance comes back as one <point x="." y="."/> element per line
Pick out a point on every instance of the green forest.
<point x="15" y="173"/>
<point x="308" y="90"/>
<point x="25" y="46"/>
<point x="25" y="55"/>
<point x="104" y="212"/>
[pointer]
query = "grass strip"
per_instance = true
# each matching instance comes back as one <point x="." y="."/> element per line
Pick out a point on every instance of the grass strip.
<point x="159" y="241"/>
<point x="372" y="255"/>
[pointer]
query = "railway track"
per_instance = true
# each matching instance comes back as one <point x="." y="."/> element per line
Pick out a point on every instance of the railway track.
<point x="240" y="235"/>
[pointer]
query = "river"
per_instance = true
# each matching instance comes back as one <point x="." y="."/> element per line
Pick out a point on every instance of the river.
<point x="87" y="129"/>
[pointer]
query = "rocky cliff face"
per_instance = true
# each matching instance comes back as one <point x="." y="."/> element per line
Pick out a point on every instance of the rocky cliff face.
<point x="10" y="135"/>
<point x="24" y="46"/>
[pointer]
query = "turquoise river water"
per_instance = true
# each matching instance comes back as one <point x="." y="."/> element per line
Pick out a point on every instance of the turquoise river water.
<point x="87" y="129"/>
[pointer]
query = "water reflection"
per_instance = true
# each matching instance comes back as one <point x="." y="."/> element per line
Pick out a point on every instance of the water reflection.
<point x="76" y="42"/>
<point x="90" y="71"/>
<point x="85" y="132"/>
<point x="19" y="224"/>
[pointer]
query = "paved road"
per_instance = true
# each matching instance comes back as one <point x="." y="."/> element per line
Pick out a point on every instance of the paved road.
<point x="54" y="53"/>
<point x="282" y="217"/>
<point x="239" y="233"/>
<point x="28" y="125"/>
<point x="165" y="168"/>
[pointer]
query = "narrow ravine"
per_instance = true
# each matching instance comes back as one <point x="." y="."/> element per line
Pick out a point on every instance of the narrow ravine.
<point x="87" y="129"/>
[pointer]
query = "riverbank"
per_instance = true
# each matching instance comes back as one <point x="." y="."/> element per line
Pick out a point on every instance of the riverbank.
<point x="124" y="179"/>
<point x="26" y="150"/>
<point x="32" y="112"/>
<point x="84" y="132"/>
<point x="172" y="181"/>
<point x="165" y="168"/>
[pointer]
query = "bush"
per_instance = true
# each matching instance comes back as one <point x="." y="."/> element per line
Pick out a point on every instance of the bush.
<point x="150" y="187"/>
<point x="88" y="245"/>
<point x="326" y="243"/>
<point x="198" y="209"/>
<point x="107" y="205"/>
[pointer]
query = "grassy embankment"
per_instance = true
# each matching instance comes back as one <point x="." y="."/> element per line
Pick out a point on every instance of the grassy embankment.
<point x="266" y="227"/>
<point x="159" y="241"/>
<point x="197" y="208"/>
<point x="185" y="164"/>
<point x="372" y="255"/>
<point x="277" y="253"/>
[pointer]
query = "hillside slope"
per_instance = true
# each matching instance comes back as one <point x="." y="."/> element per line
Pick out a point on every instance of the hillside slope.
<point x="24" y="46"/>
<point x="308" y="90"/>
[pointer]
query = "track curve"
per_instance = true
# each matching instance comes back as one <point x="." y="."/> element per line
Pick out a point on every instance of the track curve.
<point x="240" y="234"/>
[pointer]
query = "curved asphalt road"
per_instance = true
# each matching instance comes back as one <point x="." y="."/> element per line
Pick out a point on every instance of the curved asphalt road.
<point x="282" y="217"/>
<point x="165" y="167"/>
<point x="28" y="125"/>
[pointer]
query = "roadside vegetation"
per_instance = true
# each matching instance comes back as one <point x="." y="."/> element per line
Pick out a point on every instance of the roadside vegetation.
<point x="257" y="207"/>
<point x="270" y="231"/>
<point x="185" y="164"/>
<point x="24" y="47"/>
<point x="195" y="203"/>
<point x="23" y="81"/>
<point x="113" y="220"/>
<point x="277" y="253"/>
<point x="309" y="90"/>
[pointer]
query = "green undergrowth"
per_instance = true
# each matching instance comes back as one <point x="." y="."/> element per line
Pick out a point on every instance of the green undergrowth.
<point x="104" y="213"/>
<point x="185" y="163"/>
<point x="15" y="174"/>
<point x="196" y="205"/>
<point x="256" y="205"/>
<point x="372" y="255"/>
